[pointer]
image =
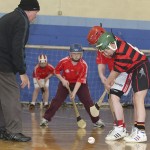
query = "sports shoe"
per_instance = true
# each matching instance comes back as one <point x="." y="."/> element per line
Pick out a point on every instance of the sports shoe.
<point x="2" y="132"/>
<point x="99" y="124"/>
<point x="44" y="122"/>
<point x="137" y="146"/>
<point x="46" y="107"/>
<point x="31" y="107"/>
<point x="136" y="136"/>
<point x="116" y="133"/>
<point x="132" y="131"/>
<point x="19" y="137"/>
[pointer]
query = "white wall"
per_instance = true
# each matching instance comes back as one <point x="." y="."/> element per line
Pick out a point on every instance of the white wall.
<point x="113" y="9"/>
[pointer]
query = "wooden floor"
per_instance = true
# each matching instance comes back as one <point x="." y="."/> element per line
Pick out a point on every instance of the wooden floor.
<point x="63" y="133"/>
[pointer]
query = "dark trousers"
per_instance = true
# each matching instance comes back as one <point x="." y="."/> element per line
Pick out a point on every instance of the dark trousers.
<point x="10" y="108"/>
<point x="61" y="95"/>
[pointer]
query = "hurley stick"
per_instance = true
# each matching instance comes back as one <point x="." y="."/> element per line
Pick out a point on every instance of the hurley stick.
<point x="94" y="110"/>
<point x="80" y="122"/>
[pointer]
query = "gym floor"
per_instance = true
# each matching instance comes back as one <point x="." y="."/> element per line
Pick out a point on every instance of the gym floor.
<point x="64" y="134"/>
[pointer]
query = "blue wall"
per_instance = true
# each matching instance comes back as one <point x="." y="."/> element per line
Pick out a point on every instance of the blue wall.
<point x="64" y="36"/>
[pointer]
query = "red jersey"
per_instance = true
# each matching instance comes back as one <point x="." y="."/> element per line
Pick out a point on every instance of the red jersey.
<point x="72" y="73"/>
<point x="42" y="72"/>
<point x="127" y="58"/>
<point x="101" y="59"/>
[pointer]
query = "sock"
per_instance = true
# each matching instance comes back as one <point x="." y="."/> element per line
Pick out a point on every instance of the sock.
<point x="141" y="125"/>
<point x="45" y="103"/>
<point x="33" y="103"/>
<point x="124" y="125"/>
<point x="120" y="123"/>
<point x="135" y="124"/>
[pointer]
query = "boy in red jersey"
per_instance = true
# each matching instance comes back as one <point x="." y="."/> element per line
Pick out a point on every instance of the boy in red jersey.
<point x="72" y="72"/>
<point x="41" y="74"/>
<point x="129" y="59"/>
<point x="121" y="86"/>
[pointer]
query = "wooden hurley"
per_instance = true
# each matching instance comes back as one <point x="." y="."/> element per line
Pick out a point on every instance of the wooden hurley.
<point x="80" y="122"/>
<point x="94" y="110"/>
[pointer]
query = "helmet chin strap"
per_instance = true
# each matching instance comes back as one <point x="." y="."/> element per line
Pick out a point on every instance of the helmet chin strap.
<point x="112" y="48"/>
<point x="75" y="60"/>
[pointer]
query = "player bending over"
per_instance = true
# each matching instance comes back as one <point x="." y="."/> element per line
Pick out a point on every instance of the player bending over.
<point x="41" y="75"/>
<point x="74" y="74"/>
<point x="128" y="59"/>
<point x="121" y="86"/>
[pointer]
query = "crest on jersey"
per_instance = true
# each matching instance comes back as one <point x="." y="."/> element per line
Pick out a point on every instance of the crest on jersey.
<point x="67" y="71"/>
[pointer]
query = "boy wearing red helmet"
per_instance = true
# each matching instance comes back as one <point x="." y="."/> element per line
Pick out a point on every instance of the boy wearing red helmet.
<point x="121" y="86"/>
<point x="41" y="75"/>
<point x="72" y="72"/>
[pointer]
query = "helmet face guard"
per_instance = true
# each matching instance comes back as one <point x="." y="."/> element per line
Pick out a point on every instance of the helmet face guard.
<point x="94" y="34"/>
<point x="76" y="48"/>
<point x="105" y="41"/>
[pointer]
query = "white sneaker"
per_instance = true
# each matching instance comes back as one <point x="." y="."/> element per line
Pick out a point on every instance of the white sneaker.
<point x="99" y="124"/>
<point x="44" y="122"/>
<point x="132" y="132"/>
<point x="136" y="136"/>
<point x="116" y="133"/>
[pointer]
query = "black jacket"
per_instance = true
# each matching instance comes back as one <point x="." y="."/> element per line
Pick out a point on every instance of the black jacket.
<point x="14" y="32"/>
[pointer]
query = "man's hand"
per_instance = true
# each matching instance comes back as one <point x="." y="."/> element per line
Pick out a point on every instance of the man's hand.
<point x="42" y="90"/>
<point x="24" y="81"/>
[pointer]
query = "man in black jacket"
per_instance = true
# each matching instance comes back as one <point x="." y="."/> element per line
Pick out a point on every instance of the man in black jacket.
<point x="14" y="32"/>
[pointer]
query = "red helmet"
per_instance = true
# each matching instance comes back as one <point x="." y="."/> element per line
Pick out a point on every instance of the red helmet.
<point x="94" y="34"/>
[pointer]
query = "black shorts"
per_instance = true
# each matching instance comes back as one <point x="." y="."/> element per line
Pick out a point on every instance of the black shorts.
<point x="141" y="77"/>
<point x="116" y="92"/>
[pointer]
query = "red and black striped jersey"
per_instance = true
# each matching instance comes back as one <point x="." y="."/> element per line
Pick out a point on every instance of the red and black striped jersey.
<point x="127" y="57"/>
